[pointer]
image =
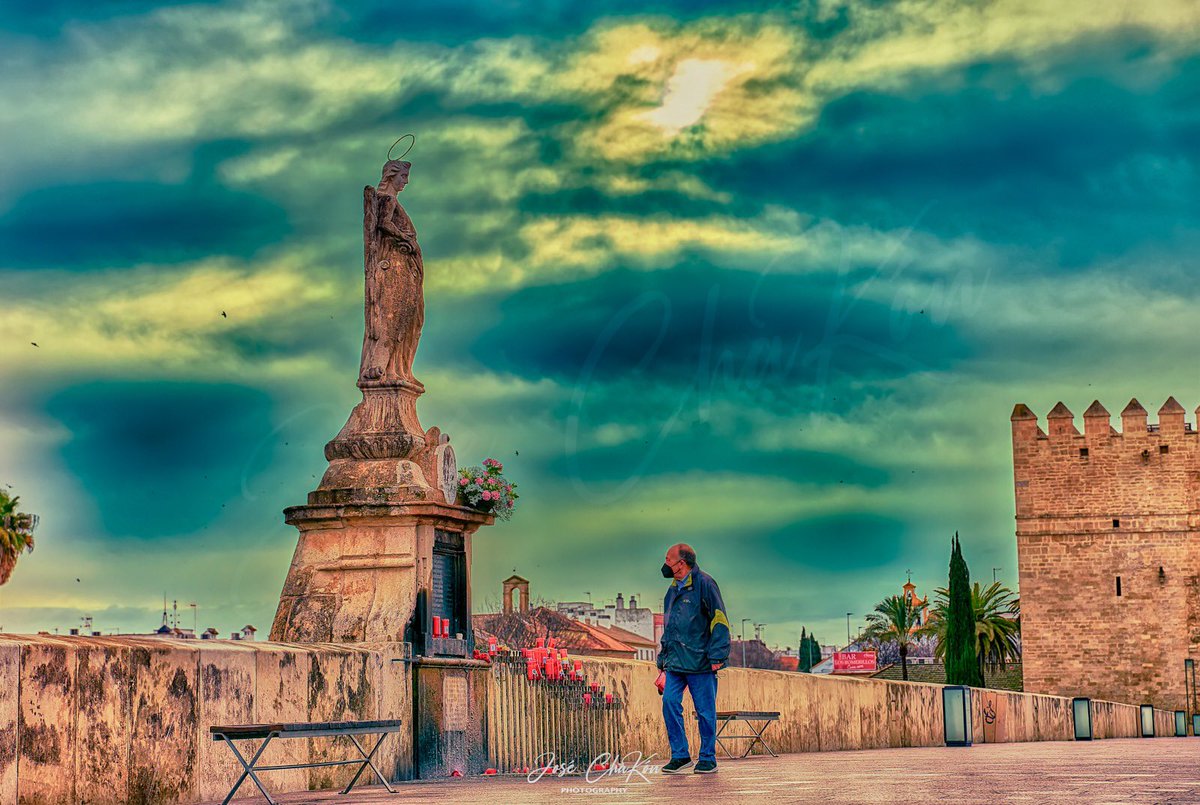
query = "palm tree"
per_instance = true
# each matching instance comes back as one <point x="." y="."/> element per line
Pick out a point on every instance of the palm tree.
<point x="895" y="620"/>
<point x="997" y="624"/>
<point x="16" y="533"/>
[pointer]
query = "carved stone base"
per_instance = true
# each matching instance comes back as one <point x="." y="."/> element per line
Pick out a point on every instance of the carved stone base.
<point x="384" y="425"/>
<point x="358" y="566"/>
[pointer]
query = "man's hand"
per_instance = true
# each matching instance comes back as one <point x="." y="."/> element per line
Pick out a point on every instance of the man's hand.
<point x="661" y="682"/>
<point x="716" y="666"/>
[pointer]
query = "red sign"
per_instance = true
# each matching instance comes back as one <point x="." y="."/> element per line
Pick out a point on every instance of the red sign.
<point x="854" y="662"/>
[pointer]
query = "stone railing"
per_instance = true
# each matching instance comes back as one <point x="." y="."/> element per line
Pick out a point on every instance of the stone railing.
<point x="116" y="720"/>
<point x="123" y="719"/>
<point x="821" y="713"/>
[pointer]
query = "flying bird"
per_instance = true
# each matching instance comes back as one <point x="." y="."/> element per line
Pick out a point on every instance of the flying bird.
<point x="34" y="343"/>
<point x="223" y="315"/>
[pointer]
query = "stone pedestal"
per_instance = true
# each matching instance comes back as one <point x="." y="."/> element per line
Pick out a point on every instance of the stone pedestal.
<point x="359" y="569"/>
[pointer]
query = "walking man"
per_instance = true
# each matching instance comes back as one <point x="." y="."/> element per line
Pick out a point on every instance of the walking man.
<point x="695" y="645"/>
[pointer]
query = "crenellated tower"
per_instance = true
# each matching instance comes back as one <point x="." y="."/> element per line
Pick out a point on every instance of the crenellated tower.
<point x="1108" y="530"/>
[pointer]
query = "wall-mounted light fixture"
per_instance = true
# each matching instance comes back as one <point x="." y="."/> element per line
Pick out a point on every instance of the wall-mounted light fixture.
<point x="1147" y="720"/>
<point x="1081" y="709"/>
<point x="956" y="714"/>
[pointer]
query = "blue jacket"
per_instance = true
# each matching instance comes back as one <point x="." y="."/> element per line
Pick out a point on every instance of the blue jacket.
<point x="695" y="628"/>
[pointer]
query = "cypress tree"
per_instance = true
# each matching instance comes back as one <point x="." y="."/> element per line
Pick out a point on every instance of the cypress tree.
<point x="962" y="667"/>
<point x="810" y="651"/>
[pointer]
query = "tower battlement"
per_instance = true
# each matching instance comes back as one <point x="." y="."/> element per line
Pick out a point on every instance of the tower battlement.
<point x="1097" y="422"/>
<point x="1102" y="472"/>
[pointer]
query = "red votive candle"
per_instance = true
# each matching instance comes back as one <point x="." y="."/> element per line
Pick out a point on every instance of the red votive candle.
<point x="541" y="642"/>
<point x="587" y="698"/>
<point x="608" y="698"/>
<point x="550" y="643"/>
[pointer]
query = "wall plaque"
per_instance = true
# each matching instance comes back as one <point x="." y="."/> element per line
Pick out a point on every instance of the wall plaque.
<point x="454" y="703"/>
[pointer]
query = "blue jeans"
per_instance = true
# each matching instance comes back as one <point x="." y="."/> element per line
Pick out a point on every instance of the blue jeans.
<point x="704" y="698"/>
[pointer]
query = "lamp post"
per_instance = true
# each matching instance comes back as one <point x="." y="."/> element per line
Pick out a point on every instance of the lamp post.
<point x="744" y="622"/>
<point x="994" y="573"/>
<point x="848" y="614"/>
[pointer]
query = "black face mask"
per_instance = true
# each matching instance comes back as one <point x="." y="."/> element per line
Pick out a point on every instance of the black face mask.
<point x="667" y="572"/>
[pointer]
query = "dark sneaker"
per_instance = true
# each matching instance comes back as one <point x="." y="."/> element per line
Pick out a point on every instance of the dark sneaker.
<point x="677" y="765"/>
<point x="705" y="767"/>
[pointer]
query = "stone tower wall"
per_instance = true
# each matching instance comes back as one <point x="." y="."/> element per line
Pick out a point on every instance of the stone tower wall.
<point x="1092" y="508"/>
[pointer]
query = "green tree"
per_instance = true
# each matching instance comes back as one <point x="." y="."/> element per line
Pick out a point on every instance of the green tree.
<point x="962" y="667"/>
<point x="16" y="534"/>
<point x="895" y="620"/>
<point x="810" y="651"/>
<point x="997" y="629"/>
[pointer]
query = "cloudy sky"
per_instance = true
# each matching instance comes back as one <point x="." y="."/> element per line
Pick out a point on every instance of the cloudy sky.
<point x="765" y="277"/>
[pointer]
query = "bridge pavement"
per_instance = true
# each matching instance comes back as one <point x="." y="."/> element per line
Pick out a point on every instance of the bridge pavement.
<point x="1158" y="770"/>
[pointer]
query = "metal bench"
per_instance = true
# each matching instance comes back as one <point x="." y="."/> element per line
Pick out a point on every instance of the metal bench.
<point x="756" y="720"/>
<point x="319" y="729"/>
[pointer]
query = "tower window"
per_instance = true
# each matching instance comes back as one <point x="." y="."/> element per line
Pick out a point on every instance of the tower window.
<point x="1164" y="448"/>
<point x="1118" y="586"/>
<point x="1083" y="452"/>
<point x="1116" y="523"/>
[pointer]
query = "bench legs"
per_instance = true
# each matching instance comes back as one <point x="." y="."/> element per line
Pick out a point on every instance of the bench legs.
<point x="757" y="736"/>
<point x="367" y="762"/>
<point x="249" y="769"/>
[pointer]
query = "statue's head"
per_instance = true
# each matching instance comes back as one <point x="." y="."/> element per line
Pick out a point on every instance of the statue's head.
<point x="395" y="174"/>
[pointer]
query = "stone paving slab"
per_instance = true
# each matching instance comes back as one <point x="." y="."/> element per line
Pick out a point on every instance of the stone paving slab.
<point x="1159" y="770"/>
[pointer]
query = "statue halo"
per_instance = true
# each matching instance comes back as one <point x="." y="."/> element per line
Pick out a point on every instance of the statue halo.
<point x="406" y="150"/>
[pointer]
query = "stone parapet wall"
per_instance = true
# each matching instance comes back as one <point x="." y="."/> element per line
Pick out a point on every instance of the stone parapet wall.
<point x="821" y="713"/>
<point x="122" y="719"/>
<point x="125" y="720"/>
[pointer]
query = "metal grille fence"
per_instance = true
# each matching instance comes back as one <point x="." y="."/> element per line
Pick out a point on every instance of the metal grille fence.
<point x="529" y="719"/>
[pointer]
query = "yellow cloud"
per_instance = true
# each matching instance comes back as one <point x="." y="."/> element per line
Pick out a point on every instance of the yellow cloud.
<point x="157" y="320"/>
<point x="586" y="242"/>
<point x="689" y="90"/>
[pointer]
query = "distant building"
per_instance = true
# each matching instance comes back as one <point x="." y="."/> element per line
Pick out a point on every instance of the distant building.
<point x="632" y="618"/>
<point x="520" y="626"/>
<point x="246" y="634"/>
<point x="909" y="591"/>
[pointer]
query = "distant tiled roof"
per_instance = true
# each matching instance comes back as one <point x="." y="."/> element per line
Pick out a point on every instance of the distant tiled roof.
<point x="519" y="629"/>
<point x="605" y="639"/>
<point x="628" y="637"/>
<point x="1008" y="678"/>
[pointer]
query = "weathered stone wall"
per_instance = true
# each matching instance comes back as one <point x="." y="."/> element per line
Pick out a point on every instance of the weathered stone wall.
<point x="823" y="713"/>
<point x="125" y="720"/>
<point x="1092" y="508"/>
<point x="116" y="720"/>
